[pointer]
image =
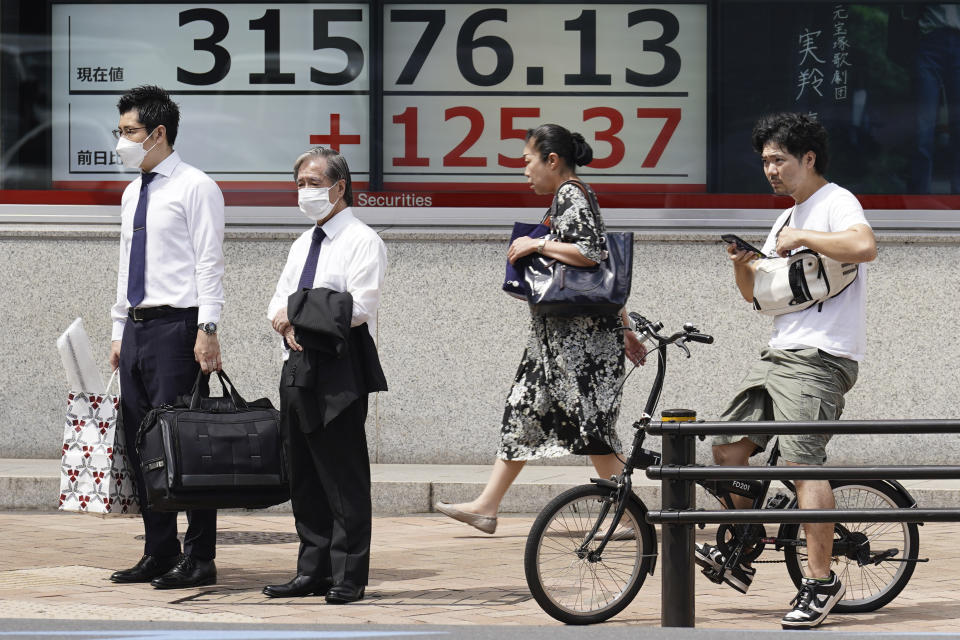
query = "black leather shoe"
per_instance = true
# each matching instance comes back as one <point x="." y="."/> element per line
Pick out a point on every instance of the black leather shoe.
<point x="148" y="568"/>
<point x="298" y="587"/>
<point x="189" y="572"/>
<point x="344" y="592"/>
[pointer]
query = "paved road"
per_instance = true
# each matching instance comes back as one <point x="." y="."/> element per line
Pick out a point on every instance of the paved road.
<point x="426" y="570"/>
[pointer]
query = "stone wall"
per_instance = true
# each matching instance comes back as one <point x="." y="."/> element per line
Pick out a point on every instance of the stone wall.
<point x="450" y="340"/>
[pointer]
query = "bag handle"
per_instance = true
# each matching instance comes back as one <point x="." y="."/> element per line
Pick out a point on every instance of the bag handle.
<point x="225" y="383"/>
<point x="114" y="376"/>
<point x="592" y="204"/>
<point x="234" y="394"/>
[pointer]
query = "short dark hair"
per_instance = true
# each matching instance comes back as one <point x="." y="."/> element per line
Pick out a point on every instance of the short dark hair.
<point x="154" y="107"/>
<point x="569" y="147"/>
<point x="337" y="169"/>
<point x="796" y="133"/>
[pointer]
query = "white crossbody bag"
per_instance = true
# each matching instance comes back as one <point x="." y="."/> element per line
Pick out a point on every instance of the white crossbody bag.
<point x="799" y="281"/>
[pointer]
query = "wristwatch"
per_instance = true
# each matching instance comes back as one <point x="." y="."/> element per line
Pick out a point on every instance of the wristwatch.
<point x="209" y="328"/>
<point x="541" y="245"/>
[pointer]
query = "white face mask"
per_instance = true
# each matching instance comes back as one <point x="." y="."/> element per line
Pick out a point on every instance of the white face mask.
<point x="132" y="153"/>
<point x="315" y="202"/>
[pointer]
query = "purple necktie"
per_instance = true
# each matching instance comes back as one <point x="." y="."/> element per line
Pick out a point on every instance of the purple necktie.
<point x="136" y="291"/>
<point x="310" y="266"/>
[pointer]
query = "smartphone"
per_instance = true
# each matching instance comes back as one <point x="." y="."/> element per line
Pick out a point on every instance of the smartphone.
<point x="742" y="244"/>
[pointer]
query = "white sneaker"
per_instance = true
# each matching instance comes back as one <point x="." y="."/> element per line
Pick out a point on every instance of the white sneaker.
<point x="740" y="577"/>
<point x="813" y="602"/>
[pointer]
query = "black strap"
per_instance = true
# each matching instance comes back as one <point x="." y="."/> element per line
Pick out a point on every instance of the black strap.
<point x="798" y="284"/>
<point x="253" y="441"/>
<point x="785" y="223"/>
<point x="592" y="204"/>
<point x="228" y="390"/>
<point x="203" y="444"/>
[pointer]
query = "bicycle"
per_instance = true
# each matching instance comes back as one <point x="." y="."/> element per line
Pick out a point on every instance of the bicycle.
<point x="590" y="549"/>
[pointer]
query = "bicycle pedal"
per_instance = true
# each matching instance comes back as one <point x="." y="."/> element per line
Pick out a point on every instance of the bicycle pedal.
<point x="712" y="575"/>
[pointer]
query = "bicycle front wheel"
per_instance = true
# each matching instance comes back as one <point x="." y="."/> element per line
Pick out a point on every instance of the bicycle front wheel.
<point x="566" y="577"/>
<point x="871" y="585"/>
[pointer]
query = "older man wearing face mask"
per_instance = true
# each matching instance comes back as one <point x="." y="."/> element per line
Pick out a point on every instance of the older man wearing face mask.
<point x="325" y="309"/>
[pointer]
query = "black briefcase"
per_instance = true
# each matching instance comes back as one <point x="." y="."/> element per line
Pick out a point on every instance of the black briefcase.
<point x="213" y="453"/>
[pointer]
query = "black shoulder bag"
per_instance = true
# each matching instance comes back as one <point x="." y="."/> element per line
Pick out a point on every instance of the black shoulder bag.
<point x="559" y="289"/>
<point x="213" y="453"/>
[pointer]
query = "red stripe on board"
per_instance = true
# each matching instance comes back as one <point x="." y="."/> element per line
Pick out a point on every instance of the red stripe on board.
<point x="10" y="196"/>
<point x="520" y="187"/>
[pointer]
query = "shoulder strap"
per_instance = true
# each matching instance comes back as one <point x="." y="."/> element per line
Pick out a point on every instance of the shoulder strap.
<point x="591" y="203"/>
<point x="786" y="222"/>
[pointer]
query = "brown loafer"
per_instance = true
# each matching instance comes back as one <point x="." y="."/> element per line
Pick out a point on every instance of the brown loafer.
<point x="487" y="524"/>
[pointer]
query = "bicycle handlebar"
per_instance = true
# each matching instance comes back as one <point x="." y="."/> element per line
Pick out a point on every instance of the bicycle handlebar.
<point x="688" y="334"/>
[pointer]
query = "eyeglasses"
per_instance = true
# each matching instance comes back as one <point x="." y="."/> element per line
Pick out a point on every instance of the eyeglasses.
<point x="125" y="133"/>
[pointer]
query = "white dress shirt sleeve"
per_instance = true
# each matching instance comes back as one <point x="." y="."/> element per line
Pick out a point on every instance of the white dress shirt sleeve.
<point x="367" y="269"/>
<point x="205" y="221"/>
<point x="118" y="312"/>
<point x="286" y="284"/>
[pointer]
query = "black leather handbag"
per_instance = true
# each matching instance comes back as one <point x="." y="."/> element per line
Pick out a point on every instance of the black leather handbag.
<point x="213" y="453"/>
<point x="513" y="281"/>
<point x="559" y="289"/>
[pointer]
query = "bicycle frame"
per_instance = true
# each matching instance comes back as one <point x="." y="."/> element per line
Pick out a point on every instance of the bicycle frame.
<point x="581" y="589"/>
<point x="622" y="487"/>
<point x="745" y="535"/>
<point x="621" y="490"/>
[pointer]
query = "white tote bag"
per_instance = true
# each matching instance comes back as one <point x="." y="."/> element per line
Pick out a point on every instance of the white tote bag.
<point x="95" y="474"/>
<point x="799" y="281"/>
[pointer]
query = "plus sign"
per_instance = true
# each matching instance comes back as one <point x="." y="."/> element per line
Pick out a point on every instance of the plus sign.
<point x="334" y="140"/>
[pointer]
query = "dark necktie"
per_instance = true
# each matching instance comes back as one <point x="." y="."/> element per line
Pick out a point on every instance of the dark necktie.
<point x="136" y="290"/>
<point x="310" y="266"/>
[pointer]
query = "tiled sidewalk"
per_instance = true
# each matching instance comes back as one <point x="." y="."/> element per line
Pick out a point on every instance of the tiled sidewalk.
<point x="425" y="569"/>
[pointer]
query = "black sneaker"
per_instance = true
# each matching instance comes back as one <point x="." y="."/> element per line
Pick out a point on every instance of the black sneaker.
<point x="813" y="602"/>
<point x="740" y="577"/>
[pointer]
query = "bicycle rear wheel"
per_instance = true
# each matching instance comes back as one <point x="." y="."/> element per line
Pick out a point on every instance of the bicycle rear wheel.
<point x="869" y="586"/>
<point x="565" y="576"/>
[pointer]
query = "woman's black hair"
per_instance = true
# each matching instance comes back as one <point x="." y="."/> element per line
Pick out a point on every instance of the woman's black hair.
<point x="569" y="147"/>
<point x="796" y="133"/>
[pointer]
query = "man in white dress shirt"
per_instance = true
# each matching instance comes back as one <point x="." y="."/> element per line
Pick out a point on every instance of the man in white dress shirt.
<point x="169" y="298"/>
<point x="329" y="466"/>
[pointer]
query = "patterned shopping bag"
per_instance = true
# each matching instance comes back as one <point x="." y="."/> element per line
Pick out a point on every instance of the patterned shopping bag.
<point x="95" y="474"/>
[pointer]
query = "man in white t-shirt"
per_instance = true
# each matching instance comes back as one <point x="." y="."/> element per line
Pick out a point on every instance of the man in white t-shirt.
<point x="813" y="355"/>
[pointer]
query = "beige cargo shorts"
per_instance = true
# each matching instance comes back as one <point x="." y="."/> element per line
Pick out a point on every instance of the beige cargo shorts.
<point x="796" y="385"/>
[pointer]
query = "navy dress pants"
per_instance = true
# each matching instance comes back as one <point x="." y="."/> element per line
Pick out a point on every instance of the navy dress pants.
<point x="156" y="367"/>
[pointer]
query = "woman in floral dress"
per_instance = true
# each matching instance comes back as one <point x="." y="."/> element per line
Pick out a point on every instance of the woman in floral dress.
<point x="563" y="398"/>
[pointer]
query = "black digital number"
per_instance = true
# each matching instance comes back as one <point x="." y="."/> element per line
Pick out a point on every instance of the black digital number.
<point x="221" y="57"/>
<point x="323" y="40"/>
<point x="269" y="23"/>
<point x="467" y="44"/>
<point x="586" y="24"/>
<point x="435" y="19"/>
<point x="671" y="58"/>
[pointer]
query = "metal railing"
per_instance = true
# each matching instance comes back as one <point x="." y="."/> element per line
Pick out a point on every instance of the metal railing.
<point x="679" y="474"/>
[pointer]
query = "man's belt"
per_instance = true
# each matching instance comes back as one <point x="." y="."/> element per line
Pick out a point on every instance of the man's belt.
<point x="139" y="314"/>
